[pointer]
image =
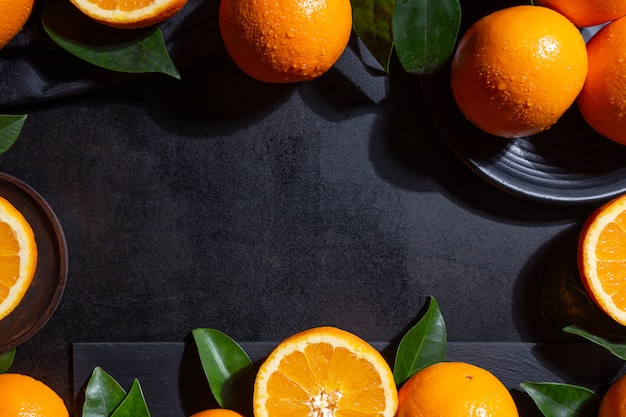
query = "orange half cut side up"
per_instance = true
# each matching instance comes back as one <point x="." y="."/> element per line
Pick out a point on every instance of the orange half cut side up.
<point x="18" y="257"/>
<point x="602" y="258"/>
<point x="325" y="372"/>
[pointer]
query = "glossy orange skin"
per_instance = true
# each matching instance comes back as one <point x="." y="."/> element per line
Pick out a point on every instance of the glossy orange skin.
<point x="584" y="13"/>
<point x="283" y="41"/>
<point x="602" y="100"/>
<point x="517" y="70"/>
<point x="455" y="389"/>
<point x="14" y="15"/>
<point x="613" y="403"/>
<point x="23" y="395"/>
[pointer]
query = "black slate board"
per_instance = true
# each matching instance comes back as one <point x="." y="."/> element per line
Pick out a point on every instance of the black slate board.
<point x="174" y="384"/>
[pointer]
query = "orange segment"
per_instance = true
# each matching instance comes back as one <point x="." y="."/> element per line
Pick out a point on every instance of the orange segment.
<point x="129" y="14"/>
<point x="602" y="258"/>
<point x="18" y="257"/>
<point x="325" y="372"/>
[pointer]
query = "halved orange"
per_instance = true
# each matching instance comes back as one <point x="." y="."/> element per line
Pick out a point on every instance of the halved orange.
<point x="602" y="258"/>
<point x="129" y="14"/>
<point x="18" y="257"/>
<point x="326" y="372"/>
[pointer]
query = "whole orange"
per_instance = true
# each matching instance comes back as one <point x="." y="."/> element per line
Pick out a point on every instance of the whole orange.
<point x="613" y="403"/>
<point x="22" y="395"/>
<point x="455" y="389"/>
<point x="585" y="13"/>
<point x="602" y="100"/>
<point x="217" y="412"/>
<point x="283" y="41"/>
<point x="517" y="70"/>
<point x="14" y="15"/>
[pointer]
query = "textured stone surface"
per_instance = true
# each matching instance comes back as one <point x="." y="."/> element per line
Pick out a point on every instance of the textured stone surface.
<point x="261" y="210"/>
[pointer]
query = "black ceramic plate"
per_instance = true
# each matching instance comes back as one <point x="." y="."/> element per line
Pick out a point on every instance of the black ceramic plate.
<point x="567" y="164"/>
<point x="48" y="284"/>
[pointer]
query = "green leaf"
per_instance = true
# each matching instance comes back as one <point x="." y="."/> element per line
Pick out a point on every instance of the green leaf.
<point x="6" y="360"/>
<point x="102" y="395"/>
<point x="562" y="400"/>
<point x="425" y="33"/>
<point x="423" y="345"/>
<point x="134" y="404"/>
<point x="564" y="300"/>
<point x="371" y="21"/>
<point x="10" y="128"/>
<point x="616" y="348"/>
<point x="228" y="368"/>
<point x="122" y="50"/>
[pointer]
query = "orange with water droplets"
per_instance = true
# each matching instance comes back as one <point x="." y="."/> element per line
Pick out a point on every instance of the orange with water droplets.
<point x="283" y="41"/>
<point x="517" y="70"/>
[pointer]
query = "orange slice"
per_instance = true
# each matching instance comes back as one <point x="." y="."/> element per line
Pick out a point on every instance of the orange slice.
<point x="325" y="372"/>
<point x="18" y="257"/>
<point x="129" y="14"/>
<point x="602" y="258"/>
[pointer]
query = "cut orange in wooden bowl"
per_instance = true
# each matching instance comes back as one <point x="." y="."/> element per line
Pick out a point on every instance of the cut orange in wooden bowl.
<point x="18" y="257"/>
<point x="129" y="14"/>
<point x="602" y="258"/>
<point x="328" y="372"/>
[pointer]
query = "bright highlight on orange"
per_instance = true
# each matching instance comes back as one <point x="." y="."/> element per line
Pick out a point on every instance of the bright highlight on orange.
<point x="517" y="70"/>
<point x="284" y="41"/>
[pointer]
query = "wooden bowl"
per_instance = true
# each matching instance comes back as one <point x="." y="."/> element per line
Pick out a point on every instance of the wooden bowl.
<point x="46" y="290"/>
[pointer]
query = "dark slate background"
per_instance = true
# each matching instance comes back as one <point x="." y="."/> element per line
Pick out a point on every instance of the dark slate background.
<point x="262" y="210"/>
